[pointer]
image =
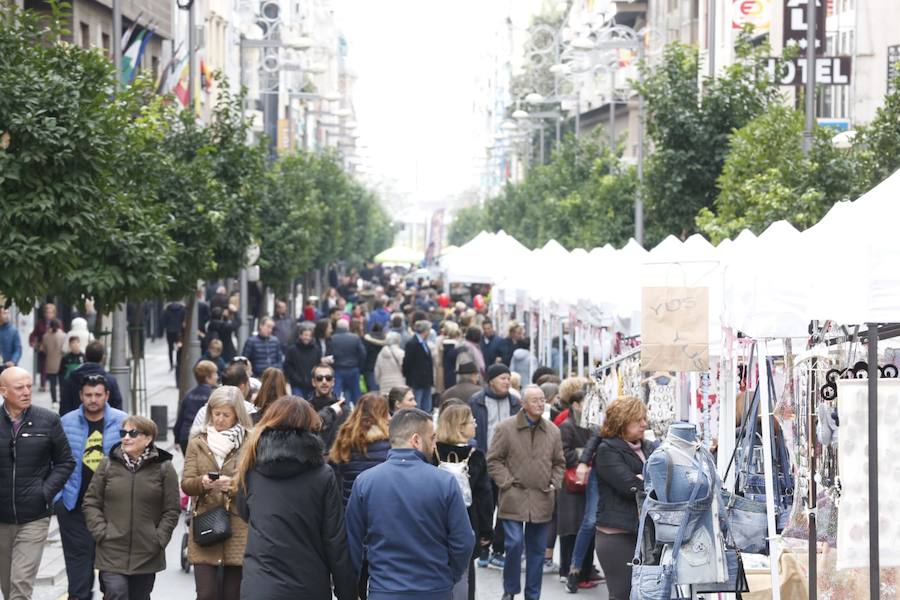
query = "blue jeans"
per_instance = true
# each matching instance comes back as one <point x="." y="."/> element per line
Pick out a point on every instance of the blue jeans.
<point x="586" y="533"/>
<point x="346" y="381"/>
<point x="423" y="398"/>
<point x="302" y="392"/>
<point x="534" y="539"/>
<point x="371" y="384"/>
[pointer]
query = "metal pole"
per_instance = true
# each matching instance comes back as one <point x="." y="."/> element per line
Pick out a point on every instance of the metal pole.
<point x="811" y="498"/>
<point x="244" y="329"/>
<point x="612" y="111"/>
<point x="577" y="116"/>
<point x="765" y="415"/>
<point x="874" y="558"/>
<point x="711" y="42"/>
<point x="118" y="365"/>
<point x="542" y="142"/>
<point x="192" y="353"/>
<point x="810" y="76"/>
<point x="638" y="199"/>
<point x="192" y="54"/>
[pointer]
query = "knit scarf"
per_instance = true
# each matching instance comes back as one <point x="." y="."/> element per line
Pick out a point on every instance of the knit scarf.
<point x="134" y="464"/>
<point x="221" y="443"/>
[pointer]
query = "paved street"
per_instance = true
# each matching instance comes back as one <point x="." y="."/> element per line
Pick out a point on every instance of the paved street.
<point x="173" y="583"/>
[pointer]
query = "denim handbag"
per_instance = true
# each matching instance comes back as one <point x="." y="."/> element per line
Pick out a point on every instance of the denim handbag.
<point x="736" y="582"/>
<point x="669" y="517"/>
<point x="657" y="582"/>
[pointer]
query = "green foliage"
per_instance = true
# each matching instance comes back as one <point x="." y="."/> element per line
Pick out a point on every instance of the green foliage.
<point x="467" y="223"/>
<point x="584" y="197"/>
<point x="878" y="143"/>
<point x="689" y="130"/>
<point x="766" y="177"/>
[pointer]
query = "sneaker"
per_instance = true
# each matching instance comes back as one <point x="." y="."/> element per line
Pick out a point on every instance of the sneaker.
<point x="563" y="578"/>
<point x="572" y="582"/>
<point x="496" y="562"/>
<point x="550" y="566"/>
<point x="482" y="563"/>
<point x="596" y="576"/>
<point x="587" y="585"/>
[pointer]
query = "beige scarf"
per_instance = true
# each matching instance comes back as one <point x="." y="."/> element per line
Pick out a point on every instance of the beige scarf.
<point x="221" y="443"/>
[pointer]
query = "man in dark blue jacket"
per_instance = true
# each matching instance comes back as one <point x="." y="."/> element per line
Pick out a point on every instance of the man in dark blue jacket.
<point x="490" y="343"/>
<point x="418" y="558"/>
<point x="264" y="349"/>
<point x="93" y="365"/>
<point x="349" y="358"/>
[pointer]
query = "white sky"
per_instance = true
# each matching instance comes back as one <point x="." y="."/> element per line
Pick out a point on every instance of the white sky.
<point x="417" y="64"/>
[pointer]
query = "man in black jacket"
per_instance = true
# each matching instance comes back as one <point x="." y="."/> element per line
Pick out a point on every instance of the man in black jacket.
<point x="34" y="465"/>
<point x="299" y="361"/>
<point x="418" y="365"/>
<point x="93" y="365"/>
<point x="330" y="408"/>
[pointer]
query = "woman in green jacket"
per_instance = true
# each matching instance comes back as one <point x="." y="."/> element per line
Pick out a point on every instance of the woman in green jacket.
<point x="131" y="508"/>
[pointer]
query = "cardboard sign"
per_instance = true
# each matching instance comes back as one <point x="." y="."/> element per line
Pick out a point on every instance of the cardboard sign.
<point x="675" y="329"/>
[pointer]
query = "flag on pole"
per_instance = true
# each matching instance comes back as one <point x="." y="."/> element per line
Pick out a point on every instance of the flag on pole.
<point x="126" y="37"/>
<point x="144" y="41"/>
<point x="130" y="58"/>
<point x="181" y="86"/>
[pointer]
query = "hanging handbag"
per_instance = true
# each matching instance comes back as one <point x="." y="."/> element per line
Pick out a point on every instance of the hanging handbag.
<point x="657" y="582"/>
<point x="736" y="582"/>
<point x="212" y="526"/>
<point x="571" y="482"/>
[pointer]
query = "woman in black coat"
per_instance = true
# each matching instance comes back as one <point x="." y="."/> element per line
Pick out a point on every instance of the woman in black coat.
<point x="570" y="505"/>
<point x="618" y="465"/>
<point x="456" y="426"/>
<point x="297" y="544"/>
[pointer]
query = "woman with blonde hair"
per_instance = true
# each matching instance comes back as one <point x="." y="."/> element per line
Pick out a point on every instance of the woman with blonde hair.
<point x="210" y="465"/>
<point x="618" y="465"/>
<point x="362" y="441"/>
<point x="456" y="426"/>
<point x="290" y="499"/>
<point x="273" y="385"/>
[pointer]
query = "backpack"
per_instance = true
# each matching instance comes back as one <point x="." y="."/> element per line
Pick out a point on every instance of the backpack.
<point x="459" y="470"/>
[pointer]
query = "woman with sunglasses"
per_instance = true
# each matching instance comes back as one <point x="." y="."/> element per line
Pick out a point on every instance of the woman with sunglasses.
<point x="209" y="467"/>
<point x="131" y="508"/>
<point x="297" y="544"/>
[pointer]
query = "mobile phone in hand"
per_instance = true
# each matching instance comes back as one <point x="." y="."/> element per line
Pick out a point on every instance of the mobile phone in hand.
<point x="213" y="475"/>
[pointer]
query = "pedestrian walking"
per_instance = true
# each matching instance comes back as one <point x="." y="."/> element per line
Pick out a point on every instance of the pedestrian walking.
<point x="173" y="316"/>
<point x="456" y="426"/>
<point x="94" y="355"/>
<point x="362" y="441"/>
<point x="91" y="431"/>
<point x="72" y="359"/>
<point x="301" y="357"/>
<point x="329" y="408"/>
<point x="490" y="406"/>
<point x="131" y="508"/>
<point x="408" y="520"/>
<point x="10" y="343"/>
<point x="263" y="350"/>
<point x="53" y="344"/>
<point x="213" y="354"/>
<point x="618" y="466"/>
<point x="290" y="499"/>
<point x="223" y="324"/>
<point x="526" y="462"/>
<point x="374" y="341"/>
<point x="466" y="386"/>
<point x="389" y="364"/>
<point x="490" y="343"/>
<point x="210" y="466"/>
<point x="285" y="328"/>
<point x="418" y="365"/>
<point x="469" y="350"/>
<point x="206" y="376"/>
<point x="42" y="326"/>
<point x="80" y="328"/>
<point x="34" y="465"/>
<point x="400" y="397"/>
<point x="322" y="334"/>
<point x="446" y="345"/>
<point x="349" y="358"/>
<point x="273" y="386"/>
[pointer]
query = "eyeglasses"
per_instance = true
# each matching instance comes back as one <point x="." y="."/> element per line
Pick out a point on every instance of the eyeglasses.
<point x="132" y="433"/>
<point x="240" y="359"/>
<point x="324" y="377"/>
<point x="94" y="379"/>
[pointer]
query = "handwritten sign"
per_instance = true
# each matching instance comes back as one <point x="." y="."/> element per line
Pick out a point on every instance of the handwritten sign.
<point x="674" y="329"/>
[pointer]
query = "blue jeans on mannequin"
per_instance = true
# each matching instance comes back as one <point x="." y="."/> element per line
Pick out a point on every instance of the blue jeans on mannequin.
<point x="423" y="398"/>
<point x="586" y="532"/>
<point x="533" y="540"/>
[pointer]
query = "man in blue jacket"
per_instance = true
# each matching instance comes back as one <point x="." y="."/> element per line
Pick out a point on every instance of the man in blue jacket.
<point x="264" y="349"/>
<point x="92" y="431"/>
<point x="10" y="343"/>
<point x="408" y="518"/>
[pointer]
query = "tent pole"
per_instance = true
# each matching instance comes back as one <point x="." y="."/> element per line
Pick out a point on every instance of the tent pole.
<point x="874" y="558"/>
<point x="765" y="414"/>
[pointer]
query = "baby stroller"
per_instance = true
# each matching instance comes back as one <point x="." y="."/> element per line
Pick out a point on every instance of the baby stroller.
<point x="186" y="509"/>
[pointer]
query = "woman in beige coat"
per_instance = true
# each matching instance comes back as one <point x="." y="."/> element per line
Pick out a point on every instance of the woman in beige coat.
<point x="216" y="452"/>
<point x="53" y="344"/>
<point x="389" y="364"/>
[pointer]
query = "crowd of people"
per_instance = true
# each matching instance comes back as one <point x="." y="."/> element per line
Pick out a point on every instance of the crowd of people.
<point x="305" y="456"/>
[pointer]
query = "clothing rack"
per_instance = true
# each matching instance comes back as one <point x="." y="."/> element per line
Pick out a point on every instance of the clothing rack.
<point x="614" y="361"/>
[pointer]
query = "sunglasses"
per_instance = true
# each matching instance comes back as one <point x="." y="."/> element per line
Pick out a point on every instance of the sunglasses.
<point x="93" y="379"/>
<point x="240" y="359"/>
<point x="324" y="377"/>
<point x="132" y="433"/>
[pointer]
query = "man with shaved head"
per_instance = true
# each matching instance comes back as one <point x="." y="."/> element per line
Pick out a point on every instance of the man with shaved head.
<point x="35" y="462"/>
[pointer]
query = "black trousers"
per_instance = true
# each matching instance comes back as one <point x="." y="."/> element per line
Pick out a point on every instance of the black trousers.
<point x="212" y="585"/>
<point x="566" y="549"/>
<point x="78" y="551"/>
<point x="615" y="551"/>
<point x="118" y="586"/>
<point x="172" y="338"/>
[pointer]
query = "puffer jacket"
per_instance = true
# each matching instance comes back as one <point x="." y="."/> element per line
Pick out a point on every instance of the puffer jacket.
<point x="297" y="544"/>
<point x="131" y="516"/>
<point x="299" y="362"/>
<point x="34" y="466"/>
<point x="198" y="462"/>
<point x="263" y="352"/>
<point x="376" y="453"/>
<point x="527" y="464"/>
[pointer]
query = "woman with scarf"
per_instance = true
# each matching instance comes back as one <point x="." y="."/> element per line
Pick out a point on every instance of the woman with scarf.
<point x="131" y="508"/>
<point x="209" y="467"/>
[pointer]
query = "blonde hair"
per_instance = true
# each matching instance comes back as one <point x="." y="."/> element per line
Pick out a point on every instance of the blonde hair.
<point x="569" y="386"/>
<point x="229" y="396"/>
<point x="515" y="380"/>
<point x="511" y="327"/>
<point x="451" y="329"/>
<point x="621" y="412"/>
<point x="450" y="423"/>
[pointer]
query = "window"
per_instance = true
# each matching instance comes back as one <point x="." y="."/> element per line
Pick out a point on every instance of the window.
<point x="154" y="67"/>
<point x="85" y="35"/>
<point x="105" y="40"/>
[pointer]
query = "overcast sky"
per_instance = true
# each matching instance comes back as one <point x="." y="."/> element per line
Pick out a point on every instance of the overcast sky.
<point x="417" y="63"/>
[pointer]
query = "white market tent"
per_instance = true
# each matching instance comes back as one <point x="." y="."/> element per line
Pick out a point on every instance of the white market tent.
<point x="484" y="259"/>
<point x="400" y="255"/>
